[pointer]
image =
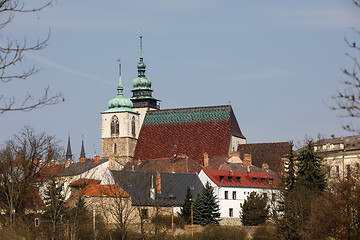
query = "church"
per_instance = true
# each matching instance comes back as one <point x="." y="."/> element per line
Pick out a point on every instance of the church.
<point x="136" y="129"/>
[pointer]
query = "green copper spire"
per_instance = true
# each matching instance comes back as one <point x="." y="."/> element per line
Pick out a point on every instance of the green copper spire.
<point x="142" y="92"/>
<point x="120" y="103"/>
<point x="120" y="86"/>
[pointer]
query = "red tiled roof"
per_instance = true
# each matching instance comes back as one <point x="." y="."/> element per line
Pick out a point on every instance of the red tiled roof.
<point x="83" y="182"/>
<point x="97" y="190"/>
<point x="246" y="178"/>
<point x="270" y="153"/>
<point x="191" y="131"/>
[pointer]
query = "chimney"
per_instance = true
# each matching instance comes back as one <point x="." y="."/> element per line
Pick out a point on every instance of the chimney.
<point x="247" y="160"/>
<point x="96" y="159"/>
<point x="158" y="182"/>
<point x="206" y="159"/>
<point x="233" y="154"/>
<point x="265" y="166"/>
<point x="82" y="159"/>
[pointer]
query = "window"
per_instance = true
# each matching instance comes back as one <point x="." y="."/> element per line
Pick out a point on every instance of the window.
<point x="234" y="195"/>
<point x="144" y="213"/>
<point x="115" y="148"/>
<point x="226" y="195"/>
<point x="262" y="180"/>
<point x="254" y="179"/>
<point x="229" y="179"/>
<point x="231" y="212"/>
<point x="133" y="127"/>
<point x="237" y="179"/>
<point x="114" y="126"/>
<point x="221" y="178"/>
<point x="270" y="180"/>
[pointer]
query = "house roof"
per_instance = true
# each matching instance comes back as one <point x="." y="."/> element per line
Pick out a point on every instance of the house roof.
<point x="173" y="187"/>
<point x="97" y="190"/>
<point x="220" y="178"/>
<point x="270" y="153"/>
<point x="191" y="131"/>
<point x="81" y="167"/>
<point x="179" y="164"/>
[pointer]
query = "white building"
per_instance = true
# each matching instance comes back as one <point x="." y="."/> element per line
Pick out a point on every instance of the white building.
<point x="233" y="187"/>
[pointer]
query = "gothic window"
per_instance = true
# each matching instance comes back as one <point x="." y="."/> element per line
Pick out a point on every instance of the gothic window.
<point x="115" y="148"/>
<point x="133" y="126"/>
<point x="114" y="126"/>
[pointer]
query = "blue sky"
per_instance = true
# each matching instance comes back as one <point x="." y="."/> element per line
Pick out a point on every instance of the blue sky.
<point x="277" y="62"/>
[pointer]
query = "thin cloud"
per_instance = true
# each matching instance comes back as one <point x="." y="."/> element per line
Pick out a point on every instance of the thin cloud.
<point x="65" y="69"/>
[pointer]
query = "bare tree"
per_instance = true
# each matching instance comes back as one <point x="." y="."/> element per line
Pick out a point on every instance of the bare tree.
<point x="347" y="100"/>
<point x="119" y="207"/>
<point x="12" y="53"/>
<point x="23" y="163"/>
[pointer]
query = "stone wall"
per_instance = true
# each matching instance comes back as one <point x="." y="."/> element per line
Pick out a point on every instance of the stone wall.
<point x="125" y="149"/>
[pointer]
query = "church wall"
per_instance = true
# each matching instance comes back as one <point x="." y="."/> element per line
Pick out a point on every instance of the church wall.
<point x="142" y="112"/>
<point x="125" y="149"/>
<point x="234" y="143"/>
<point x="124" y="124"/>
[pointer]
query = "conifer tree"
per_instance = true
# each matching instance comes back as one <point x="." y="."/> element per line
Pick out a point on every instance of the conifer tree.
<point x="185" y="211"/>
<point x="255" y="210"/>
<point x="55" y="208"/>
<point x="206" y="207"/>
<point x="290" y="175"/>
<point x="309" y="169"/>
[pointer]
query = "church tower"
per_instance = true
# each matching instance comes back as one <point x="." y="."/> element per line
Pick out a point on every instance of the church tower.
<point x="142" y="93"/>
<point x="69" y="155"/>
<point x="120" y="127"/>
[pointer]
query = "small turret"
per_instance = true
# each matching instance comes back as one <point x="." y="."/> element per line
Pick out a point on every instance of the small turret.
<point x="82" y="152"/>
<point x="69" y="156"/>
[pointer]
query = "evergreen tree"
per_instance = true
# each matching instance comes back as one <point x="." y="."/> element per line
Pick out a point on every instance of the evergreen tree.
<point x="185" y="211"/>
<point x="290" y="175"/>
<point x="255" y="210"/>
<point x="55" y="208"/>
<point x="206" y="207"/>
<point x="309" y="168"/>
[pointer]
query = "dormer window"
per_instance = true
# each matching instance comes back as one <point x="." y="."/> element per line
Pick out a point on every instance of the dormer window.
<point x="254" y="179"/>
<point x="262" y="180"/>
<point x="270" y="181"/>
<point x="237" y="179"/>
<point x="229" y="179"/>
<point x="221" y="178"/>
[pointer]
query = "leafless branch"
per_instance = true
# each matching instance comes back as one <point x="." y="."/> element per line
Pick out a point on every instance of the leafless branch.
<point x="12" y="53"/>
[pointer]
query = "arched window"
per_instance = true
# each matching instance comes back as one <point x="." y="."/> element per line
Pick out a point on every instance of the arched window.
<point x="114" y="126"/>
<point x="133" y="126"/>
<point x="115" y="148"/>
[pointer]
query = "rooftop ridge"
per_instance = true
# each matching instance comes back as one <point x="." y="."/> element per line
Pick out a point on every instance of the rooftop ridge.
<point x="188" y="115"/>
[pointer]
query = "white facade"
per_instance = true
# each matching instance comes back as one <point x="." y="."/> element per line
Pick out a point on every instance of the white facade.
<point x="143" y="112"/>
<point x="234" y="143"/>
<point x="125" y="124"/>
<point x="230" y="197"/>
